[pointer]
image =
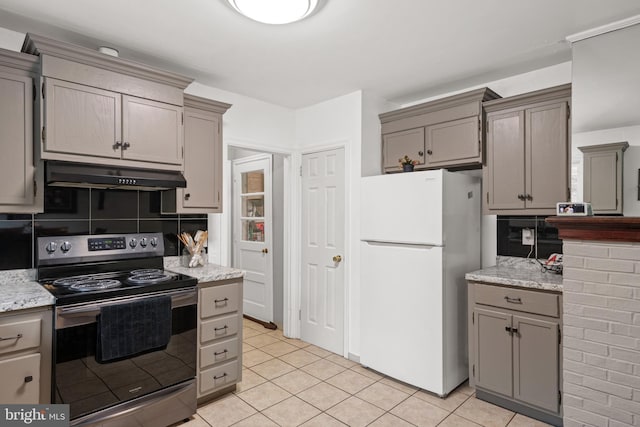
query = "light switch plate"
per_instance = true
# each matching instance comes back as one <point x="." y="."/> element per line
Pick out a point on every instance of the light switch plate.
<point x="528" y="238"/>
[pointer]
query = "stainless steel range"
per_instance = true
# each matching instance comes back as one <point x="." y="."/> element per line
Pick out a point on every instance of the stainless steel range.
<point x="125" y="330"/>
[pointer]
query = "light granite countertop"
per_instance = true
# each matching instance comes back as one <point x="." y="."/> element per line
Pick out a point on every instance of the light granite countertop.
<point x="518" y="272"/>
<point x="19" y="291"/>
<point x="206" y="273"/>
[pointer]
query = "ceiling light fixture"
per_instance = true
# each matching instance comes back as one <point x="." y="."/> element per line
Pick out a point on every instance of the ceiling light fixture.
<point x="275" y="11"/>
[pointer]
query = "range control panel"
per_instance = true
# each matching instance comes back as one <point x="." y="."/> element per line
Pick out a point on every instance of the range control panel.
<point x="69" y="249"/>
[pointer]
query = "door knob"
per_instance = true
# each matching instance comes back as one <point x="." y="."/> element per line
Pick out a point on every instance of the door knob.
<point x="265" y="251"/>
<point x="337" y="258"/>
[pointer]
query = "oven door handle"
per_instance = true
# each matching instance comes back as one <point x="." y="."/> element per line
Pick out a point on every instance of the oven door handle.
<point x="90" y="311"/>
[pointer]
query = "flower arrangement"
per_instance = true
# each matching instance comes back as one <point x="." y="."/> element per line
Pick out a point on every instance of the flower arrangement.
<point x="407" y="161"/>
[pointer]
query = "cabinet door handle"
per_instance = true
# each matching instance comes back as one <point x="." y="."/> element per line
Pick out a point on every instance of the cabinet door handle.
<point x="420" y="153"/>
<point x="528" y="197"/>
<point x="17" y="337"/>
<point x="28" y="379"/>
<point x="513" y="300"/>
<point x="507" y="328"/>
<point x="511" y="330"/>
<point x="219" y="376"/>
<point x="117" y="145"/>
<point x="221" y="329"/>
<point x="520" y="196"/>
<point x="186" y="196"/>
<point x="429" y="152"/>
<point x="218" y="301"/>
<point x="126" y="145"/>
<point x="218" y="353"/>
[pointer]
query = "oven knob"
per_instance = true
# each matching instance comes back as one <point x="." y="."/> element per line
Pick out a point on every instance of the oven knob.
<point x="154" y="242"/>
<point x="51" y="247"/>
<point x="65" y="247"/>
<point x="133" y="243"/>
<point x="143" y="242"/>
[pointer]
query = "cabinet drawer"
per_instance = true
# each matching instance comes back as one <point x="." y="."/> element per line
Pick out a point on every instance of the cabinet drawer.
<point x="21" y="335"/>
<point x="219" y="328"/>
<point x="20" y="379"/>
<point x="518" y="299"/>
<point x="218" y="300"/>
<point x="220" y="376"/>
<point x="218" y="352"/>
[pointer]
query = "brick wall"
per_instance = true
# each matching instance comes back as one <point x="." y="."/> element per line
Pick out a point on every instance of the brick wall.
<point x="601" y="334"/>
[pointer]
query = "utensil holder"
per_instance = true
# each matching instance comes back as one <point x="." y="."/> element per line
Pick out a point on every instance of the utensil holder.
<point x="193" y="260"/>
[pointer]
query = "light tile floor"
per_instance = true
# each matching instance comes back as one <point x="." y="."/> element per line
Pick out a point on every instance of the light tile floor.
<point x="287" y="382"/>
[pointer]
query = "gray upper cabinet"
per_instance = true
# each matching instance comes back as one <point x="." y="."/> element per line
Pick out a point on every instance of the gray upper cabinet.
<point x="99" y="109"/>
<point x="202" y="159"/>
<point x="446" y="133"/>
<point x="528" y="142"/>
<point x="21" y="184"/>
<point x="398" y="144"/>
<point x="602" y="177"/>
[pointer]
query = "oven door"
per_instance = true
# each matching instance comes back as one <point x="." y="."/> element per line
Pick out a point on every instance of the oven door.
<point x="88" y="386"/>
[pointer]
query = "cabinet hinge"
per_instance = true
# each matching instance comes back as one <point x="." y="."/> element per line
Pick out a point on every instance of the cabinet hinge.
<point x="218" y="196"/>
<point x="568" y="111"/>
<point x="44" y="134"/>
<point x="616" y="157"/>
<point x="42" y="90"/>
<point x="487" y="197"/>
<point x="300" y="170"/>
<point x="487" y="126"/>
<point x="183" y="152"/>
<point x="182" y="118"/>
<point x="473" y="369"/>
<point x="559" y="397"/>
<point x="34" y="94"/>
<point x="35" y="188"/>
<point x="616" y="202"/>
<point x="479" y="124"/>
<point x="473" y="318"/>
<point x="299" y="314"/>
<point x="568" y="193"/>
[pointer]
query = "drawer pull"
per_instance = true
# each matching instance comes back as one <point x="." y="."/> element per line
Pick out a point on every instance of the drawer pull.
<point x="219" y="376"/>
<point x="28" y="379"/>
<point x="511" y="330"/>
<point x="17" y="337"/>
<point x="218" y="301"/>
<point x="218" y="353"/>
<point x="221" y="329"/>
<point x="513" y="300"/>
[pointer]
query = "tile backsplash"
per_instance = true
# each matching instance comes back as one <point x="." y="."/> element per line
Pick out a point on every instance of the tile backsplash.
<point x="71" y="211"/>
<point x="510" y="237"/>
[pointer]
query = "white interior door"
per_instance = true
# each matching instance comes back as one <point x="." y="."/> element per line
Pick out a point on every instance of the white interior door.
<point x="252" y="233"/>
<point x="323" y="218"/>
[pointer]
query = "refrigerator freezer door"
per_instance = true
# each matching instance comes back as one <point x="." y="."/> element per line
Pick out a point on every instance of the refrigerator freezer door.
<point x="403" y="208"/>
<point x="401" y="313"/>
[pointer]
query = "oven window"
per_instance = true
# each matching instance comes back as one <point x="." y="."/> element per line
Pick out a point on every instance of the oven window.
<point x="88" y="386"/>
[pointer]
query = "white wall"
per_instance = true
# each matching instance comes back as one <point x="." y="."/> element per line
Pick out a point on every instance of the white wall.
<point x="11" y="40"/>
<point x="372" y="106"/>
<point x="514" y="85"/>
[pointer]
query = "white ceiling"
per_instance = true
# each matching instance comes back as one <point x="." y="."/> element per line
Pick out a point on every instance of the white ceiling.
<point x="402" y="50"/>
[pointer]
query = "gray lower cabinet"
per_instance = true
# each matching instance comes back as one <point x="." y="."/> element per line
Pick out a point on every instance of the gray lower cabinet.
<point x="602" y="177"/>
<point x="445" y="133"/>
<point x="25" y="356"/>
<point x="528" y="143"/>
<point x="219" y="337"/>
<point x="515" y="349"/>
<point x="21" y="184"/>
<point x="202" y="159"/>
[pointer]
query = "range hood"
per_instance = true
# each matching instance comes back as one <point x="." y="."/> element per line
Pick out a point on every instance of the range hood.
<point x="67" y="174"/>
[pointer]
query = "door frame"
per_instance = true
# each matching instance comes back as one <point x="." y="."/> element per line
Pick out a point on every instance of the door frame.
<point x="224" y="223"/>
<point x="348" y="253"/>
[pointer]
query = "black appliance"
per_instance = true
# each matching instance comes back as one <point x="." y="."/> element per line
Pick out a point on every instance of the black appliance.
<point x="125" y="330"/>
<point x="68" y="174"/>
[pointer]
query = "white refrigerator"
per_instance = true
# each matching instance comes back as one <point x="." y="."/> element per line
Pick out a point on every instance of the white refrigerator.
<point x="420" y="234"/>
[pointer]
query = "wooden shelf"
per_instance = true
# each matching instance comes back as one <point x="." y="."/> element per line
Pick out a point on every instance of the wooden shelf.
<point x="615" y="229"/>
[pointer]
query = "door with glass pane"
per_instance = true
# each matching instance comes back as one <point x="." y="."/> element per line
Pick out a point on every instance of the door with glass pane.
<point x="252" y="233"/>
